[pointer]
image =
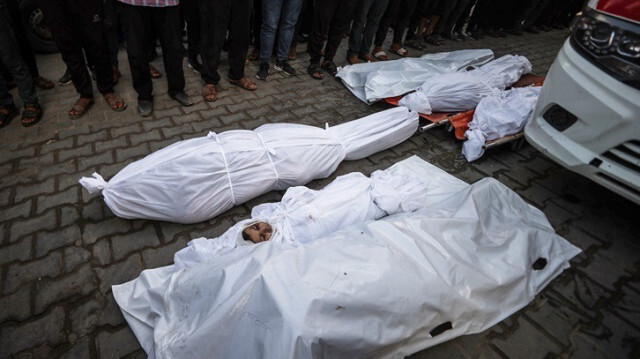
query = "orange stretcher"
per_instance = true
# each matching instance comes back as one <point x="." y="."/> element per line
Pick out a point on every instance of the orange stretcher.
<point x="459" y="121"/>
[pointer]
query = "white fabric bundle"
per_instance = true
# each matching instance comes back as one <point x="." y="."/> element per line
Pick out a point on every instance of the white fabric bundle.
<point x="463" y="262"/>
<point x="499" y="115"/>
<point x="305" y="215"/>
<point x="375" y="81"/>
<point x="195" y="180"/>
<point x="462" y="91"/>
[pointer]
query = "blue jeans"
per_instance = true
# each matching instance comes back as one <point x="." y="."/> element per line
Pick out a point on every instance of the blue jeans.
<point x="281" y="15"/>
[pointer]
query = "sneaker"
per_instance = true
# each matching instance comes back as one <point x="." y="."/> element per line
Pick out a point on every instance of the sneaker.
<point x="65" y="79"/>
<point x="285" y="67"/>
<point x="263" y="73"/>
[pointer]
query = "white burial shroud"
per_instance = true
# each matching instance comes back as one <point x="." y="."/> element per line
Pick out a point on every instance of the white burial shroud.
<point x="374" y="81"/>
<point x="498" y="115"/>
<point x="462" y="91"/>
<point x="385" y="289"/>
<point x="197" y="179"/>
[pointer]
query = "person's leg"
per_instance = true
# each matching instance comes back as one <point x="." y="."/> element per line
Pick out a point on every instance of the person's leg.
<point x="373" y="20"/>
<point x="270" y="17"/>
<point x="532" y="17"/>
<point x="20" y="35"/>
<point x="136" y="21"/>
<point x="192" y="18"/>
<point x="465" y="16"/>
<point x="111" y="30"/>
<point x="167" y="22"/>
<point x="215" y="16"/>
<point x="357" y="27"/>
<point x="445" y="10"/>
<point x="321" y="20"/>
<point x="64" y="22"/>
<point x="457" y="11"/>
<point x="341" y="18"/>
<point x="11" y="58"/>
<point x="94" y="42"/>
<point x="286" y="27"/>
<point x="385" y="22"/>
<point x="402" y="20"/>
<point x="239" y="24"/>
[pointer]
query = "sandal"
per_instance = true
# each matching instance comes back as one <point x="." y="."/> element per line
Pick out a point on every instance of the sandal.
<point x="115" y="102"/>
<point x="330" y="68"/>
<point x="379" y="54"/>
<point x="434" y="40"/>
<point x="315" y="71"/>
<point x="7" y="113"/>
<point x="31" y="115"/>
<point x="367" y="58"/>
<point x="244" y="83"/>
<point x="81" y="107"/>
<point x="254" y="55"/>
<point x="413" y="43"/>
<point x="155" y="74"/>
<point x="292" y="54"/>
<point x="209" y="93"/>
<point x="400" y="51"/>
<point x="42" y="83"/>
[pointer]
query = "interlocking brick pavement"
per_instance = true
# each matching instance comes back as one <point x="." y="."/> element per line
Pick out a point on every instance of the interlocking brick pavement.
<point x="61" y="248"/>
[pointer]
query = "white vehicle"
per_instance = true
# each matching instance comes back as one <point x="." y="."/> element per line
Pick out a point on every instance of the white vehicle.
<point x="588" y="114"/>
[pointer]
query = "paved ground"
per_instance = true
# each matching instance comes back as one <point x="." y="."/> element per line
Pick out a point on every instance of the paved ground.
<point x="62" y="249"/>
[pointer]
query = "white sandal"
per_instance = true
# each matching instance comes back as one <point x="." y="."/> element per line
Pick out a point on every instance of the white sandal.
<point x="381" y="56"/>
<point x="401" y="51"/>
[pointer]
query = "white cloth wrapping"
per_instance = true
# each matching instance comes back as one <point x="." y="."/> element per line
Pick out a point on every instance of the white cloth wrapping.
<point x="305" y="215"/>
<point x="462" y="91"/>
<point x="376" y="290"/>
<point x="374" y="81"/>
<point x="499" y="115"/>
<point x="197" y="179"/>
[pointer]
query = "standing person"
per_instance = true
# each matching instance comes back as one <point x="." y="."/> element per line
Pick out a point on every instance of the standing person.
<point x="218" y="17"/>
<point x="26" y="51"/>
<point x="365" y="25"/>
<point x="13" y="62"/>
<point x="77" y="25"/>
<point x="138" y="16"/>
<point x="280" y="15"/>
<point x="191" y="14"/>
<point x="330" y="19"/>
<point x="400" y="12"/>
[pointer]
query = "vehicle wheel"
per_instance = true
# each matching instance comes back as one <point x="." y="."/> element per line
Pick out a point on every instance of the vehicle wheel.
<point x="38" y="34"/>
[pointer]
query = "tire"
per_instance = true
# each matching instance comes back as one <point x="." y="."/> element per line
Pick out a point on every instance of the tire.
<point x="38" y="34"/>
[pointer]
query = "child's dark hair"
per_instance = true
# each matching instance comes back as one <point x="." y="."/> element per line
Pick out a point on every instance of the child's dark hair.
<point x="245" y="236"/>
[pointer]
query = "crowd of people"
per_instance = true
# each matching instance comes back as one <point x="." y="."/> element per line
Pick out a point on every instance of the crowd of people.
<point x="88" y="34"/>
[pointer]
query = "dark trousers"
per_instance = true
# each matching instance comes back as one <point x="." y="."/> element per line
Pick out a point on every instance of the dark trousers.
<point x="13" y="62"/>
<point x="423" y="8"/>
<point x="111" y="23"/>
<point x="365" y="25"/>
<point x="137" y="21"/>
<point x="398" y="12"/>
<point x="218" y="17"/>
<point x="77" y="25"/>
<point x="332" y="19"/>
<point x="191" y="14"/>
<point x="20" y="35"/>
<point x="450" y="23"/>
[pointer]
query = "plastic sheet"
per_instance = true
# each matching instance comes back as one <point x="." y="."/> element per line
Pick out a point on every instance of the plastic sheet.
<point x="197" y="179"/>
<point x="375" y="81"/>
<point x="469" y="258"/>
<point x="462" y="91"/>
<point x="499" y="115"/>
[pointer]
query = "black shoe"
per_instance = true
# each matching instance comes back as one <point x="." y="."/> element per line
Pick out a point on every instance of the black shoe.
<point x="330" y="68"/>
<point x="182" y="98"/>
<point x="532" y="29"/>
<point x="263" y="73"/>
<point x="65" y="79"/>
<point x="145" y="108"/>
<point x="195" y="65"/>
<point x="285" y="67"/>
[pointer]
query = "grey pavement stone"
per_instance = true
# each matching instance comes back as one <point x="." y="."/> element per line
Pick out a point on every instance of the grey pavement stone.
<point x="91" y="138"/>
<point x="87" y="163"/>
<point x="527" y="336"/>
<point x="120" y="131"/>
<point x="132" y="153"/>
<point x="79" y="283"/>
<point x="161" y="256"/>
<point x="74" y="256"/>
<point x="56" y="144"/>
<point x="78" y="151"/>
<point x="94" y="231"/>
<point x="44" y="187"/>
<point x="615" y="336"/>
<point x="16" y="306"/>
<point x="68" y="215"/>
<point x="556" y="319"/>
<point x="102" y="252"/>
<point x="17" y="251"/>
<point x="584" y="294"/>
<point x="49" y="201"/>
<point x="124" y="245"/>
<point x="19" y="228"/>
<point x="57" y="170"/>
<point x="145" y="137"/>
<point x="20" y="210"/>
<point x="155" y="123"/>
<point x="116" y="344"/>
<point x="102" y="146"/>
<point x="45" y="242"/>
<point x="119" y="272"/>
<point x="174" y="111"/>
<point x="47" y="329"/>
<point x="169" y="132"/>
<point x="79" y="349"/>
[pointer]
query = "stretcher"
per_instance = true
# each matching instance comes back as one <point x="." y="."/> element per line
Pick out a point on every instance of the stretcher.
<point x="458" y="122"/>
